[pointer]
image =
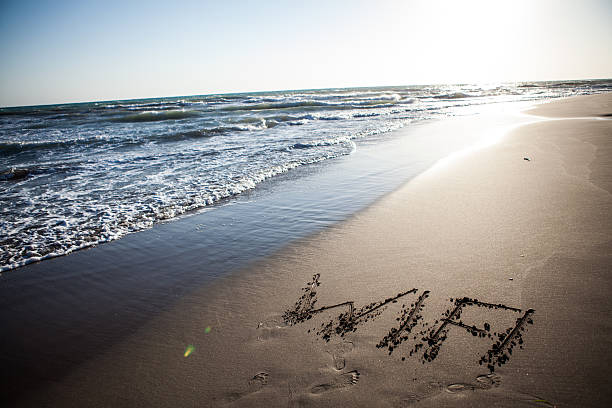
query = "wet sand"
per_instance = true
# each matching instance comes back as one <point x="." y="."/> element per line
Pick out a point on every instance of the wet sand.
<point x="485" y="281"/>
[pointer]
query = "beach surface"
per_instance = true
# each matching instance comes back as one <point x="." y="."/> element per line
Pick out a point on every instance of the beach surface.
<point x="484" y="281"/>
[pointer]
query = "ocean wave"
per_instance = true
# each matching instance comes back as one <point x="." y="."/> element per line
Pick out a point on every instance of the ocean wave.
<point x="313" y="105"/>
<point x="319" y="143"/>
<point x="14" y="174"/>
<point x="22" y="173"/>
<point x="39" y="110"/>
<point x="198" y="134"/>
<point x="247" y="125"/>
<point x="270" y="121"/>
<point x="386" y="97"/>
<point x="379" y="103"/>
<point x="11" y="148"/>
<point x="303" y="145"/>
<point x="155" y="116"/>
<point x="454" y="95"/>
<point x="275" y="106"/>
<point x="565" y="84"/>
<point x="7" y="148"/>
<point x="36" y="126"/>
<point x="245" y="120"/>
<point x="366" y="115"/>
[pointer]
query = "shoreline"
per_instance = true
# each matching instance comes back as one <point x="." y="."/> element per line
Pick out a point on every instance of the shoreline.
<point x="453" y="231"/>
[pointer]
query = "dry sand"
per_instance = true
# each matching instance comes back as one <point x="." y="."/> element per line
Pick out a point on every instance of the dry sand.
<point x="519" y="234"/>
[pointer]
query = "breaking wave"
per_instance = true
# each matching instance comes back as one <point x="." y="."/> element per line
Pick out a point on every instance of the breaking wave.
<point x="155" y="116"/>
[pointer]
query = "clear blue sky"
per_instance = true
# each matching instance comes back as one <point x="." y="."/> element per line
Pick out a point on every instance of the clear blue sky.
<point x="67" y="51"/>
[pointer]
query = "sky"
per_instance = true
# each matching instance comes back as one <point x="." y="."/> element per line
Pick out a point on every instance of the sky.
<point x="75" y="51"/>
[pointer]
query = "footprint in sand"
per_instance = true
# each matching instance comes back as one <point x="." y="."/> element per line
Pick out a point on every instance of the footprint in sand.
<point x="409" y="399"/>
<point x="483" y="382"/>
<point x="459" y="387"/>
<point x="488" y="381"/>
<point x="422" y="392"/>
<point x="271" y="329"/>
<point x="259" y="380"/>
<point x="255" y="384"/>
<point x="341" y="382"/>
<point x="338" y="351"/>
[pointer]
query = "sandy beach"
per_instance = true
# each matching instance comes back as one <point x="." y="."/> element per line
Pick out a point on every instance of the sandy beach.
<point x="484" y="282"/>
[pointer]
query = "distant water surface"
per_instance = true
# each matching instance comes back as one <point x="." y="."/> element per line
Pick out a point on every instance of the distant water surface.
<point x="75" y="175"/>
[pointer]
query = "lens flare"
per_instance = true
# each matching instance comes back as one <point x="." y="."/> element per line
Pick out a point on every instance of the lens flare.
<point x="190" y="348"/>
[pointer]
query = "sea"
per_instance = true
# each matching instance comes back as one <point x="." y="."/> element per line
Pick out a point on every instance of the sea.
<point x="76" y="175"/>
